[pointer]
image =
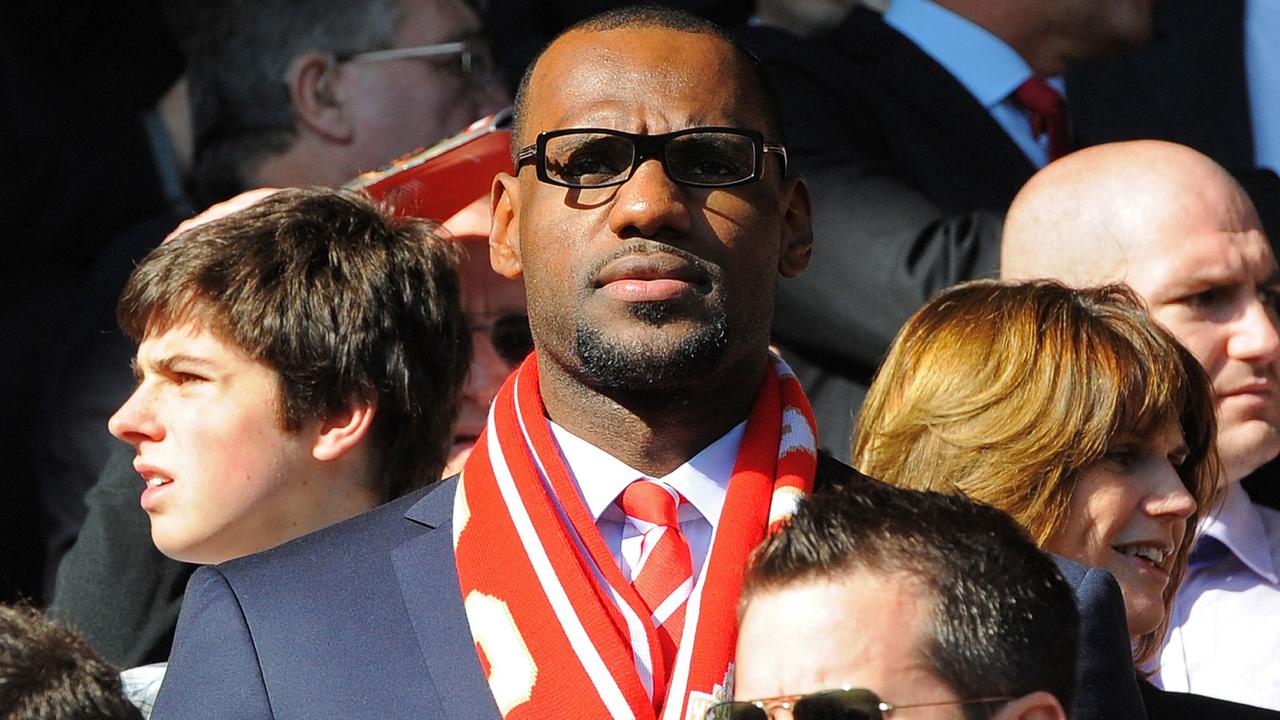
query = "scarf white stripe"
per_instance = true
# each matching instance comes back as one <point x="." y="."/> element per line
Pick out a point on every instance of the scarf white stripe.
<point x="635" y="625"/>
<point x="585" y="650"/>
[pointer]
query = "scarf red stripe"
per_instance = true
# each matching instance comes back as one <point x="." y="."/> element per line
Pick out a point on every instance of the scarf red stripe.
<point x="546" y="616"/>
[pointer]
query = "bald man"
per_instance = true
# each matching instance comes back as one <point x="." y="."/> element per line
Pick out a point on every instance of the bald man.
<point x="1178" y="229"/>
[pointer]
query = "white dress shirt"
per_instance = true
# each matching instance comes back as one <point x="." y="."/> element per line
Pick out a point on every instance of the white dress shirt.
<point x="988" y="68"/>
<point x="1262" y="69"/>
<point x="1224" y="636"/>
<point x="703" y="481"/>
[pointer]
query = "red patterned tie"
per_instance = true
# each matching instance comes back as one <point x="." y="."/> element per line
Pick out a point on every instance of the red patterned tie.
<point x="1048" y="114"/>
<point x="664" y="577"/>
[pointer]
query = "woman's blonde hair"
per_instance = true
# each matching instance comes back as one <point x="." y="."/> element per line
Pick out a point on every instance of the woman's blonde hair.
<point x="1007" y="391"/>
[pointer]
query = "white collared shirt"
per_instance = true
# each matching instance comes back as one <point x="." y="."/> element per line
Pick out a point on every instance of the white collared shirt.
<point x="1262" y="68"/>
<point x="983" y="63"/>
<point x="1224" y="635"/>
<point x="703" y="481"/>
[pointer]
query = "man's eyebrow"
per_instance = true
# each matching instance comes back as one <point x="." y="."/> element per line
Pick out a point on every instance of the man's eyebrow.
<point x="171" y="364"/>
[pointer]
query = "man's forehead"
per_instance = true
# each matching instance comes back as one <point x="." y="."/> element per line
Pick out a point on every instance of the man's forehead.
<point x="641" y="79"/>
<point x="1191" y="263"/>
<point x="423" y="22"/>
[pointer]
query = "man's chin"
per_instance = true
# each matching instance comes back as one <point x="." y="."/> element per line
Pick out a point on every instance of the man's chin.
<point x="1246" y="445"/>
<point x="667" y="356"/>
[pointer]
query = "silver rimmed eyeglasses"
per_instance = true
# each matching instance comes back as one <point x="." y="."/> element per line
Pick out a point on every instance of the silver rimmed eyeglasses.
<point x="699" y="156"/>
<point x="473" y="53"/>
<point x="846" y="703"/>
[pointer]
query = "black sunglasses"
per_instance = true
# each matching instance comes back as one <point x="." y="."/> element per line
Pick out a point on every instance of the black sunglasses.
<point x="510" y="337"/>
<point x="698" y="157"/>
<point x="844" y="704"/>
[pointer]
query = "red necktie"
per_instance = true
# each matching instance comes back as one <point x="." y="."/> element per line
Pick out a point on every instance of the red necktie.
<point x="1048" y="114"/>
<point x="664" y="577"/>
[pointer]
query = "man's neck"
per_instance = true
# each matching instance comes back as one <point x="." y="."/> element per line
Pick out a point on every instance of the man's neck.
<point x="299" y="166"/>
<point x="652" y="430"/>
<point x="1042" y="48"/>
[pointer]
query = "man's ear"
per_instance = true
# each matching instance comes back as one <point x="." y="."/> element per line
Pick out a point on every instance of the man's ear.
<point x="504" y="232"/>
<point x="342" y="431"/>
<point x="315" y="88"/>
<point x="797" y="227"/>
<point x="1038" y="705"/>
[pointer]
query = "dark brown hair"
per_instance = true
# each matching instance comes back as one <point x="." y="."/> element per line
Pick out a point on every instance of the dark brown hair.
<point x="48" y="672"/>
<point x="1001" y="619"/>
<point x="344" y="301"/>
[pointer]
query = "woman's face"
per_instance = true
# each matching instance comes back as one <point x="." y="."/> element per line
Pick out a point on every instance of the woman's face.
<point x="1128" y="514"/>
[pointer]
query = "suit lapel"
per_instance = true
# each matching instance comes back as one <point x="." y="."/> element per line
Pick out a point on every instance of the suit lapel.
<point x="428" y="577"/>
<point x="903" y="73"/>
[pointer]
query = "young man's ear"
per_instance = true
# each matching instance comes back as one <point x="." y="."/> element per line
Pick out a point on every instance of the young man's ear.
<point x="797" y="227"/>
<point x="1038" y="705"/>
<point x="504" y="232"/>
<point x="315" y="88"/>
<point x="343" y="431"/>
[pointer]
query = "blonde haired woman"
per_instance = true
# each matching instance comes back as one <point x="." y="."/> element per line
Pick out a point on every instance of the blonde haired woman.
<point x="1069" y="409"/>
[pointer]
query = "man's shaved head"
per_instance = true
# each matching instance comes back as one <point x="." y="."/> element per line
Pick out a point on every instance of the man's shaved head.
<point x="1090" y="217"/>
<point x="1179" y="230"/>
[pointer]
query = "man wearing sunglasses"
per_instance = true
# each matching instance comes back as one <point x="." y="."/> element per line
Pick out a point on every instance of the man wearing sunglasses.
<point x="875" y="599"/>
<point x="570" y="570"/>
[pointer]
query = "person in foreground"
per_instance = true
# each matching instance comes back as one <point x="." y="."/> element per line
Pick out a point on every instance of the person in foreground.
<point x="1179" y="230"/>
<point x="570" y="570"/>
<point x="874" y="600"/>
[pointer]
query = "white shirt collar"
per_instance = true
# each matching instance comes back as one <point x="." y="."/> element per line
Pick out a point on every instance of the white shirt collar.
<point x="1238" y="526"/>
<point x="987" y="67"/>
<point x="600" y="477"/>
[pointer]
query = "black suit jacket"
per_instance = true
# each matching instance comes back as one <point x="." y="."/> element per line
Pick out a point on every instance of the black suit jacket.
<point x="1107" y="684"/>
<point x="1166" y="705"/>
<point x="113" y="586"/>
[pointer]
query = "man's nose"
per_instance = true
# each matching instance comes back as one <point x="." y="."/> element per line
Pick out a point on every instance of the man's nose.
<point x="1254" y="336"/>
<point x="650" y="204"/>
<point x="135" y="420"/>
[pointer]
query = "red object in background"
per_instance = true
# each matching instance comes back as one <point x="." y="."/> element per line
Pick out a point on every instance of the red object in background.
<point x="437" y="182"/>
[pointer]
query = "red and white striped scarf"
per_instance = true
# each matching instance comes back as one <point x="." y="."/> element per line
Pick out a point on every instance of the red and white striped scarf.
<point x="559" y="630"/>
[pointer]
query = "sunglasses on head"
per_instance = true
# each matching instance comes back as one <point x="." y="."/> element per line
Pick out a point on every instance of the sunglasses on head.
<point x="843" y="704"/>
<point x="510" y="337"/>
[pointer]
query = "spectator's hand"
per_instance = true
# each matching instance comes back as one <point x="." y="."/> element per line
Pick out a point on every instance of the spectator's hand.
<point x="471" y="222"/>
<point x="223" y="209"/>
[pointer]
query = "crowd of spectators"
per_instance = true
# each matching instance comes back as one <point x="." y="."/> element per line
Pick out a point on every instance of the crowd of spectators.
<point x="812" y="359"/>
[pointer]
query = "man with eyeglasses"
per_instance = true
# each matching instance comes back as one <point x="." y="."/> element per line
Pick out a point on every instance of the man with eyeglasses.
<point x="875" y="600"/>
<point x="585" y="562"/>
<point x="315" y="93"/>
